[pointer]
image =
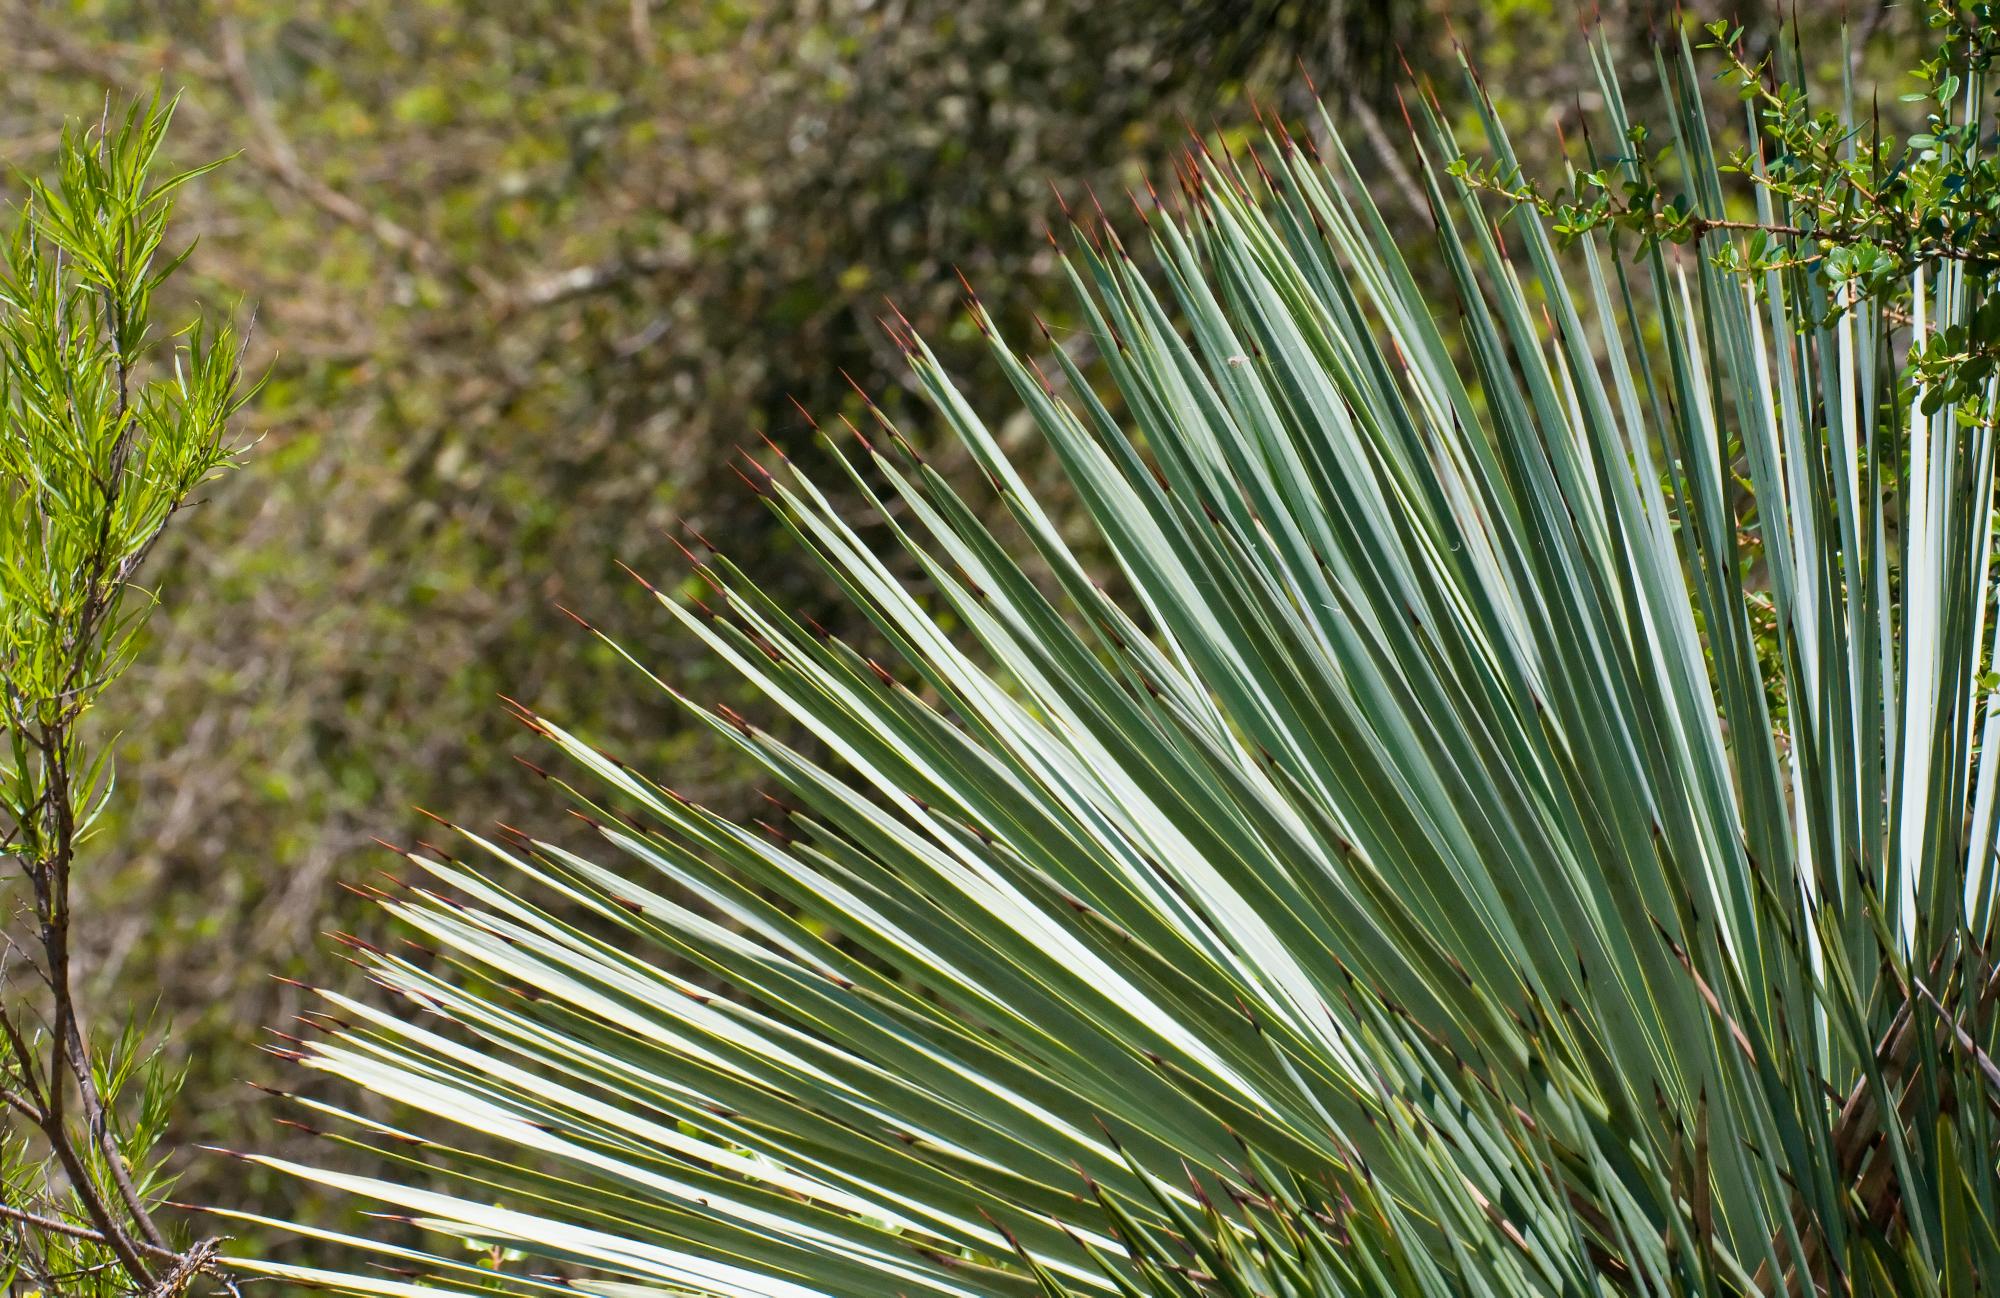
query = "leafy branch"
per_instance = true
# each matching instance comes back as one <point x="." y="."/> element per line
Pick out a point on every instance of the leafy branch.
<point x="98" y="457"/>
<point x="1866" y="211"/>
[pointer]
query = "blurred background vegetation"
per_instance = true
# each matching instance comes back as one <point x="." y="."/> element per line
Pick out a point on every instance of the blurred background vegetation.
<point x="525" y="278"/>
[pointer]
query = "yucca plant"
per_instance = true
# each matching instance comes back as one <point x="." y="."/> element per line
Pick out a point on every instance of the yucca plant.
<point x="1521" y="825"/>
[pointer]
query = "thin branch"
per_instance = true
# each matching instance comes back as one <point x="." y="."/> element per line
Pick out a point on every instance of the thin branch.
<point x="282" y="160"/>
<point x="1385" y="149"/>
<point x="580" y="281"/>
<point x="21" y="1104"/>
<point x="52" y="1225"/>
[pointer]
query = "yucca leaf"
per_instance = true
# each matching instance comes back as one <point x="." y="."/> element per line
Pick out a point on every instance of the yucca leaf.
<point x="1522" y="827"/>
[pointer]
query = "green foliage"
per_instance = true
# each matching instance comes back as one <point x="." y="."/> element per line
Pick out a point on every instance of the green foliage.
<point x="1403" y="885"/>
<point x="142" y="1089"/>
<point x="103" y="441"/>
<point x="92" y="467"/>
<point x="1831" y="190"/>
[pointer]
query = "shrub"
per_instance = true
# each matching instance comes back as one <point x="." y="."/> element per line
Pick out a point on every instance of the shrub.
<point x="102" y="443"/>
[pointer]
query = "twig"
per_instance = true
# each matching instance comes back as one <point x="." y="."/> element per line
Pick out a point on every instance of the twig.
<point x="278" y="155"/>
<point x="52" y="1225"/>
<point x="1385" y="149"/>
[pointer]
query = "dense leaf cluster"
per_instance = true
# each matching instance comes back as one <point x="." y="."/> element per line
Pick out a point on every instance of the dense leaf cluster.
<point x="1833" y="191"/>
<point x="106" y="433"/>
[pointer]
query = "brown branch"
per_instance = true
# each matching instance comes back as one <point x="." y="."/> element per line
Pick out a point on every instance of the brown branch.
<point x="1385" y="149"/>
<point x="1855" y="1136"/>
<point x="52" y="879"/>
<point x="1964" y="1040"/>
<point x="52" y="1225"/>
<point x="70" y="1230"/>
<point x="20" y="1103"/>
<point x="278" y="156"/>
